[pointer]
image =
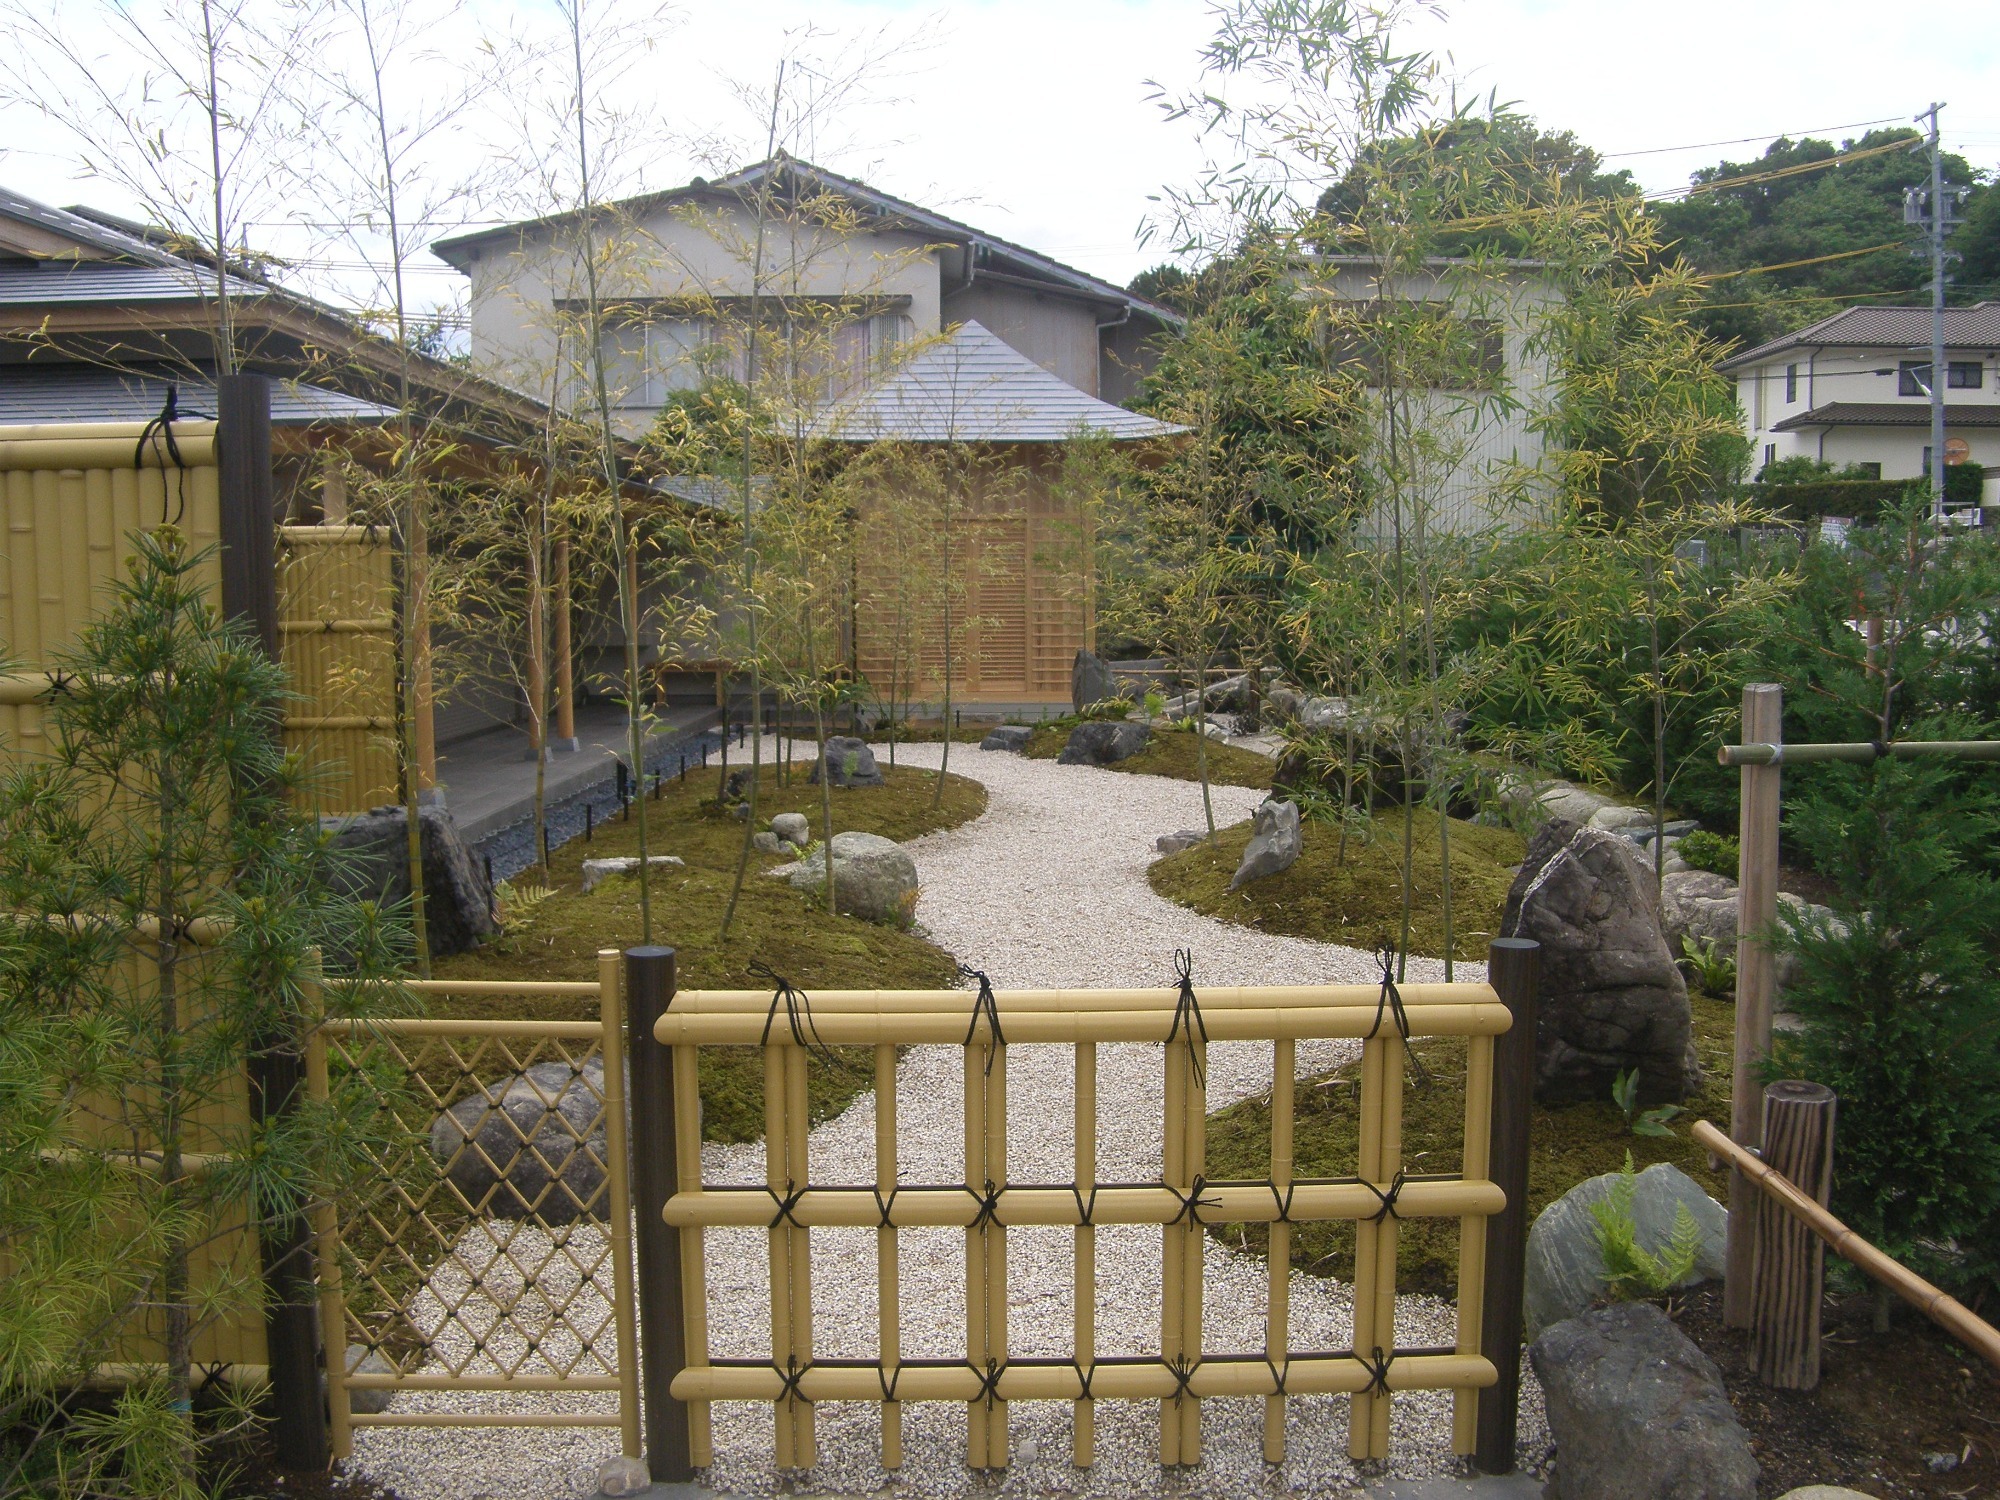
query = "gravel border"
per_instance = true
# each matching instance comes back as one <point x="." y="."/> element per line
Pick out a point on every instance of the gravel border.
<point x="1047" y="888"/>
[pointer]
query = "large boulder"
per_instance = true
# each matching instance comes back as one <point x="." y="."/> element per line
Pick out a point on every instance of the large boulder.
<point x="1282" y="705"/>
<point x="1638" y="1412"/>
<point x="792" y="828"/>
<point x="1567" y="802"/>
<point x="372" y="862"/>
<point x="1008" y="737"/>
<point x="596" y="871"/>
<point x="873" y="878"/>
<point x="1274" y="842"/>
<point x="1179" y="839"/>
<point x="1091" y="680"/>
<point x="848" y="762"/>
<point x="1103" y="742"/>
<point x="1611" y="999"/>
<point x="1565" y="1265"/>
<point x="1700" y="905"/>
<point x="531" y="1146"/>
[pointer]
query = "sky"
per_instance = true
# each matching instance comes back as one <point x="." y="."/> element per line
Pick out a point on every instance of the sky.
<point x="1035" y="120"/>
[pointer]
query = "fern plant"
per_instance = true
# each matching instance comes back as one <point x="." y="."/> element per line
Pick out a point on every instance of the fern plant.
<point x="1633" y="1273"/>
<point x="1712" y="971"/>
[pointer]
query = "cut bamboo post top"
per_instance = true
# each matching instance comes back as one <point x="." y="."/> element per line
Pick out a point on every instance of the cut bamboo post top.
<point x="1862" y="754"/>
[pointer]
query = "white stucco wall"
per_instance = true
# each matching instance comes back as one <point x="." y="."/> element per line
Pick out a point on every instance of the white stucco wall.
<point x="1823" y="377"/>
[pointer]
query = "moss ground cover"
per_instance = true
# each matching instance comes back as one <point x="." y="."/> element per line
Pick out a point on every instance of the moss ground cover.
<point x="1356" y="901"/>
<point x="557" y="936"/>
<point x="1567" y="1145"/>
<point x="1170" y="754"/>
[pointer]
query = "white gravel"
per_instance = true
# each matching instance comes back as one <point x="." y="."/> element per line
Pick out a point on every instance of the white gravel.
<point x="1047" y="889"/>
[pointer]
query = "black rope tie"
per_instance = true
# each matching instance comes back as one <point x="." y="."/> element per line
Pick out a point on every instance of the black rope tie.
<point x="1192" y="1202"/>
<point x="1282" y="1201"/>
<point x="885" y="1207"/>
<point x="1086" y="1209"/>
<point x="1182" y="1369"/>
<point x="1187" y="1012"/>
<point x="989" y="1381"/>
<point x="889" y="1380"/>
<point x="1084" y="1377"/>
<point x="791" y="1372"/>
<point x="1387" y="1200"/>
<point x="786" y="1201"/>
<point x="60" y="683"/>
<point x="1278" y="1373"/>
<point x="798" y="1017"/>
<point x="989" y="1206"/>
<point x="1882" y="749"/>
<point x="160" y="429"/>
<point x="1389" y="1001"/>
<point x="1378" y="1372"/>
<point x="985" y="1005"/>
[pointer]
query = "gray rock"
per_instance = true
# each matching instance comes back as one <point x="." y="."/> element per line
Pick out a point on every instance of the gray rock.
<point x="767" y="842"/>
<point x="1090" y="681"/>
<point x="1231" y="694"/>
<point x="1281" y="705"/>
<point x="1824" y="1492"/>
<point x="1566" y="801"/>
<point x="373" y="1400"/>
<point x="1103" y="742"/>
<point x="530" y="1147"/>
<point x="1699" y="905"/>
<point x="873" y="878"/>
<point x="1615" y="815"/>
<point x="1008" y="737"/>
<point x="1318" y="715"/>
<point x="1179" y="839"/>
<point x="1674" y="829"/>
<point x="1611" y="996"/>
<point x="792" y="828"/>
<point x="620" y="1475"/>
<point x="1565" y="1266"/>
<point x="849" y="762"/>
<point x="597" y="871"/>
<point x="1274" y="842"/>
<point x="371" y="861"/>
<point x="1638" y="1412"/>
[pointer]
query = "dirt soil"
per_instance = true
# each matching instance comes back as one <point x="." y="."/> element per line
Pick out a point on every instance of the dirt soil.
<point x="1906" y="1413"/>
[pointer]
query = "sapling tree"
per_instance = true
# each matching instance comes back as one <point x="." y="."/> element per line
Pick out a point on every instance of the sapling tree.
<point x="170" y="913"/>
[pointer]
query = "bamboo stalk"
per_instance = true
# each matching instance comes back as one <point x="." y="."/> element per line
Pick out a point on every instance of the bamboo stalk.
<point x="694" y="1263"/>
<point x="1278" y="1300"/>
<point x="1947" y="1312"/>
<point x="488" y="1419"/>
<point x="611" y="998"/>
<point x="1387" y="1229"/>
<point x="997" y="1446"/>
<point x="1083" y="1434"/>
<point x="1194" y="1243"/>
<point x="1089" y="1002"/>
<point x="783" y="1351"/>
<point x="888" y="1267"/>
<point x="798" y="1122"/>
<point x="332" y="1290"/>
<point x="1863" y="754"/>
<point x="1245" y="1024"/>
<point x="1173" y="1265"/>
<point x="977" y="1350"/>
<point x="1367" y="1246"/>
<point x="1474" y="1165"/>
<point x="418" y="1381"/>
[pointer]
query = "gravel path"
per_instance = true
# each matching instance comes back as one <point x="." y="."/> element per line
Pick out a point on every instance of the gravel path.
<point x="1047" y="889"/>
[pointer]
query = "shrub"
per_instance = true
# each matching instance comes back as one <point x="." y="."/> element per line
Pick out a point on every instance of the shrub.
<point x="1716" y="853"/>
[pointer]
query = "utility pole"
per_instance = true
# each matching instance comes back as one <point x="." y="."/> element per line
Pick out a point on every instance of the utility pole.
<point x="1938" y="218"/>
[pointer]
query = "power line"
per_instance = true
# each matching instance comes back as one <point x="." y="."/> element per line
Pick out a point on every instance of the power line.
<point x="1744" y="140"/>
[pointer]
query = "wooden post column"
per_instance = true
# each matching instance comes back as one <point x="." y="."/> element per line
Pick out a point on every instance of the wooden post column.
<point x="1514" y="969"/>
<point x="649" y="990"/>
<point x="1790" y="1273"/>
<point x="1756" y="980"/>
<point x="565" y="704"/>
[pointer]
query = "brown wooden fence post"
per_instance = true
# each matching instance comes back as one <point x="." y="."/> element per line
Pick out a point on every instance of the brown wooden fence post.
<point x="649" y="990"/>
<point x="248" y="522"/>
<point x="1791" y="1260"/>
<point x="1756" y="980"/>
<point x="1514" y="969"/>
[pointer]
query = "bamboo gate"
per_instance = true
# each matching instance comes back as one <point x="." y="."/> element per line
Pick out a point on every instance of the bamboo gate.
<point x="676" y="1206"/>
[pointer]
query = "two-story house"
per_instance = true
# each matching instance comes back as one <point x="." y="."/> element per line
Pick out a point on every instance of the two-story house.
<point x="1855" y="388"/>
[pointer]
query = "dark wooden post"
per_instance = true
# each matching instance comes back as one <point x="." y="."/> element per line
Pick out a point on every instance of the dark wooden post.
<point x="649" y="990"/>
<point x="1790" y="1273"/>
<point x="1756" y="980"/>
<point x="277" y="1066"/>
<point x="1514" y="969"/>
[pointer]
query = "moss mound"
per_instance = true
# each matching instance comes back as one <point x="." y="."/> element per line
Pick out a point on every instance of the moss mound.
<point x="557" y="936"/>
<point x="1356" y="900"/>
<point x="1567" y="1145"/>
<point x="1170" y="753"/>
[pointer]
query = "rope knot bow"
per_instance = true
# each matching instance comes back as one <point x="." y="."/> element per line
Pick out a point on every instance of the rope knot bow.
<point x="1187" y="1012"/>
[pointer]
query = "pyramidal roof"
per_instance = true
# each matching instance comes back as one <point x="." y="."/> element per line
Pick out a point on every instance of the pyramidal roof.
<point x="971" y="387"/>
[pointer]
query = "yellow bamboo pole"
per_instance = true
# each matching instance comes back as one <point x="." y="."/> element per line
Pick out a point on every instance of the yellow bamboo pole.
<point x="798" y="1120"/>
<point x="332" y="1298"/>
<point x="1367" y="1247"/>
<point x="1278" y="1300"/>
<point x="784" y="1352"/>
<point x="1089" y="1002"/>
<point x="1194" y="1242"/>
<point x="611" y="1012"/>
<point x="694" y="1250"/>
<point x="1173" y="1265"/>
<point x="1083" y="1428"/>
<point x="947" y="1027"/>
<point x="977" y="1348"/>
<point x="1387" y="1231"/>
<point x="887" y="1265"/>
<point x="997" y="1446"/>
<point x="1474" y="1165"/>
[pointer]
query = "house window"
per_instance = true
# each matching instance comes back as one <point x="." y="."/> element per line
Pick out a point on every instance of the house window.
<point x="645" y="362"/>
<point x="1770" y="454"/>
<point x="1791" y="384"/>
<point x="1913" y="377"/>
<point x="1868" y="470"/>
<point x="1968" y="376"/>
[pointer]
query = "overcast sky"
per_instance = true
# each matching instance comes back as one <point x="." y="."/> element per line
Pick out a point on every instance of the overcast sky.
<point x="1030" y="118"/>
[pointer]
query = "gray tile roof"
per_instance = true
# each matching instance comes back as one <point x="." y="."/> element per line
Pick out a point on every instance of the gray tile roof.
<point x="1885" y="328"/>
<point x="971" y="387"/>
<point x="76" y="227"/>
<point x="38" y="392"/>
<point x="712" y="493"/>
<point x="96" y="281"/>
<point x="1892" y="414"/>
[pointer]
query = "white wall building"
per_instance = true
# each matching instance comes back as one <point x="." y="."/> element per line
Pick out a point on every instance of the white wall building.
<point x="1855" y="389"/>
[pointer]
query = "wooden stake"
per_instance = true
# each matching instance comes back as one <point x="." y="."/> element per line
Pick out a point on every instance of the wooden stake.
<point x="888" y="1267"/>
<point x="332" y="1298"/>
<point x="1789" y="1276"/>
<point x="1083" y="1436"/>
<point x="1278" y="1300"/>
<point x="618" y="1215"/>
<point x="657" y="1163"/>
<point x="565" y="669"/>
<point x="1756" y="980"/>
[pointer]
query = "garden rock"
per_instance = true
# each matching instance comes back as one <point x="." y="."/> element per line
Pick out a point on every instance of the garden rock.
<point x="1274" y="842"/>
<point x="533" y="1146"/>
<point x="849" y="762"/>
<point x="1611" y="999"/>
<point x="1104" y="742"/>
<point x="372" y="863"/>
<point x="1281" y="705"/>
<point x="873" y="878"/>
<point x="1700" y="905"/>
<point x="1008" y="737"/>
<point x="1638" y="1412"/>
<point x="767" y="842"/>
<point x="1565" y="801"/>
<point x="792" y="828"/>
<point x="1090" y="681"/>
<point x="1824" y="1492"/>
<point x="597" y="871"/>
<point x="1182" y="838"/>
<point x="372" y="1400"/>
<point x="1565" y="1268"/>
<point x="621" y="1475"/>
<point x="1317" y="715"/>
<point x="1614" y="815"/>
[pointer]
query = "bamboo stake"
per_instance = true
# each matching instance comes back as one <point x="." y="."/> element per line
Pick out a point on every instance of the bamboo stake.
<point x="1015" y="1003"/>
<point x="888" y="1267"/>
<point x="332" y="1298"/>
<point x="798" y="1120"/>
<point x="1278" y="1301"/>
<point x="611" y="1012"/>
<point x="1367" y="1247"/>
<point x="1791" y="1262"/>
<point x="1387" y="1229"/>
<point x="1083" y="1436"/>
<point x="1947" y="1312"/>
<point x="947" y="1027"/>
<point x="977" y="1349"/>
<point x="1194" y="1243"/>
<point x="1756" y="981"/>
<point x="694" y="1250"/>
<point x="1474" y="1165"/>
<point x="1173" y="1265"/>
<point x="784" y="1352"/>
<point x="997" y="1446"/>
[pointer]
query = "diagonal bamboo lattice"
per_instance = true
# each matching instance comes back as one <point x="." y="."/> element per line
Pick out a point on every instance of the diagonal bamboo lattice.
<point x="488" y="1254"/>
<point x="790" y="1205"/>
